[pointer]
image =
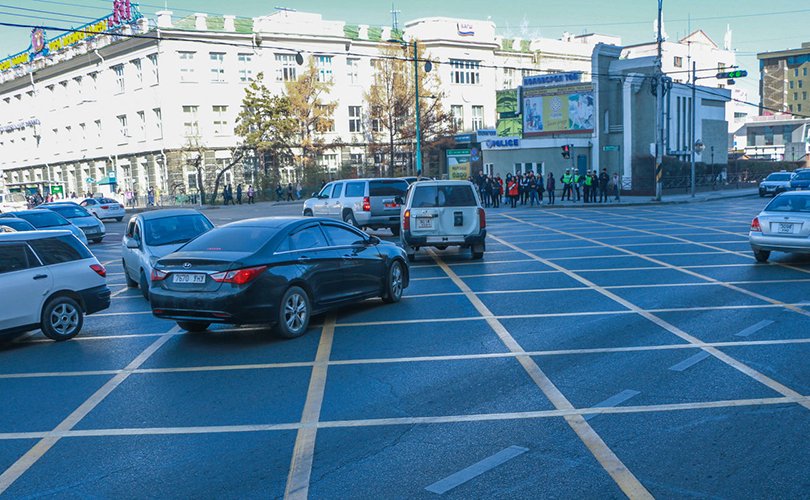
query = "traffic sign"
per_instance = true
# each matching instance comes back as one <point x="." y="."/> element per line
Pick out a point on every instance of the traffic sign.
<point x="610" y="148"/>
<point x="111" y="174"/>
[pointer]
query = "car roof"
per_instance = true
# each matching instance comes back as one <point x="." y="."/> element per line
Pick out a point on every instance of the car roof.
<point x="168" y="212"/>
<point x="59" y="203"/>
<point x="32" y="235"/>
<point x="274" y="222"/>
<point x="443" y="183"/>
<point x="30" y="211"/>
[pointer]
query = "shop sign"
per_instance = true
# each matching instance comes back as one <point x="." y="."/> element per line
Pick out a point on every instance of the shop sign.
<point x="20" y="125"/>
<point x="464" y="139"/>
<point x="487" y="132"/>
<point x="503" y="143"/>
<point x="465" y="29"/>
<point x="552" y="79"/>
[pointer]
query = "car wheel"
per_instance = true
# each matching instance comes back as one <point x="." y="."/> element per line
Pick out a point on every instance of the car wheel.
<point x="762" y="255"/>
<point x="293" y="313"/>
<point x="119" y="219"/>
<point x="395" y="283"/>
<point x="144" y="286"/>
<point x="477" y="252"/>
<point x="97" y="240"/>
<point x="307" y="213"/>
<point x="131" y="283"/>
<point x="348" y="218"/>
<point x="193" y="326"/>
<point x="395" y="230"/>
<point x="62" y="318"/>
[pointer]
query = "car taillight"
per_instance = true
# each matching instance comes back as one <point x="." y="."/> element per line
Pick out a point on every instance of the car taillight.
<point x="482" y="219"/>
<point x="99" y="269"/>
<point x="105" y="207"/>
<point x="406" y="220"/>
<point x="158" y="275"/>
<point x="755" y="227"/>
<point x="239" y="276"/>
<point x="366" y="204"/>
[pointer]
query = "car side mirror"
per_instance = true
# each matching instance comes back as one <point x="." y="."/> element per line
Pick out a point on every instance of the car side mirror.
<point x="132" y="243"/>
<point x="373" y="240"/>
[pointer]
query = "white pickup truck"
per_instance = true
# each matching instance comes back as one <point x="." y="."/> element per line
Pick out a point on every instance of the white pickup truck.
<point x="11" y="202"/>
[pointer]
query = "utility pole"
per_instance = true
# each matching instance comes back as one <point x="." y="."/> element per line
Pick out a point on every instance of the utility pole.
<point x="659" y="110"/>
<point x="418" y="120"/>
<point x="692" y="139"/>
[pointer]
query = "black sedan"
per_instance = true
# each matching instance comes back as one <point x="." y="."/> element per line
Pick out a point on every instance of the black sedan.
<point x="274" y="270"/>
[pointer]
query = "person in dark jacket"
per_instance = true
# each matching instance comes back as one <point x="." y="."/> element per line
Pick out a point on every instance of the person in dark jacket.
<point x="239" y="194"/>
<point x="604" y="180"/>
<point x="551" y="185"/>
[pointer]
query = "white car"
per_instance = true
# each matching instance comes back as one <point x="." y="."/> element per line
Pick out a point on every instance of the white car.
<point x="442" y="214"/>
<point x="152" y="235"/>
<point x="49" y="280"/>
<point x="11" y="202"/>
<point x="104" y="208"/>
<point x="782" y="226"/>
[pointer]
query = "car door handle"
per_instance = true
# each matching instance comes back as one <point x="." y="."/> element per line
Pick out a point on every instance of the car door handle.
<point x="40" y="276"/>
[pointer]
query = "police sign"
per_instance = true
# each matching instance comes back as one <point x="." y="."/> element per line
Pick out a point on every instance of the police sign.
<point x="502" y="143"/>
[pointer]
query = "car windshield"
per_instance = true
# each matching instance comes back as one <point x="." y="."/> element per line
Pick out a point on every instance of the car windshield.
<point x="778" y="177"/>
<point x="174" y="230"/>
<point x="232" y="239"/>
<point x="802" y="176"/>
<point x="789" y="204"/>
<point x="44" y="218"/>
<point x="387" y="187"/>
<point x="443" y="196"/>
<point x="69" y="211"/>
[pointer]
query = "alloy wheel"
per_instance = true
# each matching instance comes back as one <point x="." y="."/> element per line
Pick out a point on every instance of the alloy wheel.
<point x="295" y="312"/>
<point x="64" y="319"/>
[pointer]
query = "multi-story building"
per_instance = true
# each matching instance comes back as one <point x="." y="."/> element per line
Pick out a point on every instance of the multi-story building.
<point x="784" y="81"/>
<point x="112" y="111"/>
<point x="773" y="137"/>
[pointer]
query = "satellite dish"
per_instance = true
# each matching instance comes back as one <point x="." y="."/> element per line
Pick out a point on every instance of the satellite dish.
<point x="428" y="66"/>
<point x="299" y="59"/>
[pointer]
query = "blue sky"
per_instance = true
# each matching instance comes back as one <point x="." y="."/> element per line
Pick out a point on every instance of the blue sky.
<point x="757" y="26"/>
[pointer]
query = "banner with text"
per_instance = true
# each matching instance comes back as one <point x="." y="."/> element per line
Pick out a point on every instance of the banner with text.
<point x="558" y="109"/>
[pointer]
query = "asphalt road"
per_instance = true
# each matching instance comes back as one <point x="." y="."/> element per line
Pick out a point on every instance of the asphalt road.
<point x="593" y="353"/>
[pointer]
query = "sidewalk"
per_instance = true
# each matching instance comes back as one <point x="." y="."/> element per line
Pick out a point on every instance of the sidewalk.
<point x="672" y="199"/>
<point x="140" y="209"/>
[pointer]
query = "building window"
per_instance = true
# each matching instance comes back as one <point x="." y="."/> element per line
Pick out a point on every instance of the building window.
<point x="191" y="124"/>
<point x="217" y="66"/>
<point x="795" y="96"/>
<point x="790" y="84"/>
<point x="768" y="135"/>
<point x="324" y="65"/>
<point x="804" y="71"/>
<point x="83" y="131"/>
<point x="804" y="95"/>
<point x="508" y="78"/>
<point x="93" y="84"/>
<point x="136" y="65"/>
<point x="457" y="111"/>
<point x="245" y="71"/>
<point x="799" y="108"/>
<point x="119" y="78"/>
<point x="329" y="161"/>
<point x="352" y="70"/>
<point x="678" y="61"/>
<point x="186" y="66"/>
<point x="286" y="68"/>
<point x="356" y="158"/>
<point x="78" y="88"/>
<point x="787" y="134"/>
<point x="800" y="83"/>
<point x="326" y="123"/>
<point x="97" y="123"/>
<point x="156" y="114"/>
<point x="477" y="117"/>
<point x="796" y="72"/>
<point x="69" y="137"/>
<point x="122" y="126"/>
<point x="221" y="120"/>
<point x="465" y="72"/>
<point x="153" y="67"/>
<point x="355" y="122"/>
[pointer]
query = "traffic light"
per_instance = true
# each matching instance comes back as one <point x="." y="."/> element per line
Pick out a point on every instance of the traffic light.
<point x="730" y="75"/>
<point x="566" y="151"/>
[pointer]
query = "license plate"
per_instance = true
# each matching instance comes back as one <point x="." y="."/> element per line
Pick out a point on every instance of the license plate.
<point x="424" y="223"/>
<point x="188" y="278"/>
<point x="785" y="228"/>
<point x="90" y="231"/>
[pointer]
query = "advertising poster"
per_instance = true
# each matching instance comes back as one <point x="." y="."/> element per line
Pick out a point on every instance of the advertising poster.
<point x="458" y="164"/>
<point x="550" y="110"/>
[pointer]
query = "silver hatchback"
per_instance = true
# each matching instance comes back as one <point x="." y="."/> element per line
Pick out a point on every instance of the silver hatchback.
<point x="783" y="226"/>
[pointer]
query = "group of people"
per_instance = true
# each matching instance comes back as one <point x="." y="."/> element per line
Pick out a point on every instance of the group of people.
<point x="530" y="189"/>
<point x="289" y="191"/>
<point x="227" y="195"/>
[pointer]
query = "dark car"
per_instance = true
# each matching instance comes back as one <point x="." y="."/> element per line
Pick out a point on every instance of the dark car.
<point x="17" y="224"/>
<point x="800" y="181"/>
<point x="775" y="183"/>
<point x="275" y="270"/>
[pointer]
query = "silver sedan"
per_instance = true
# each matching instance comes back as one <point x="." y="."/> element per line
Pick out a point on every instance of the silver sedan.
<point x="783" y="226"/>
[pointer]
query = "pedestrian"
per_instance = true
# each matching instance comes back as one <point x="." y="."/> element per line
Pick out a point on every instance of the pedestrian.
<point x="224" y="195"/>
<point x="150" y="196"/>
<point x="239" y="194"/>
<point x="279" y="192"/>
<point x="298" y="190"/>
<point x="289" y="191"/>
<point x="250" y="194"/>
<point x="566" y="182"/>
<point x="576" y="182"/>
<point x="524" y="188"/>
<point x="587" y="186"/>
<point x="616" y="187"/>
<point x="604" y="179"/>
<point x="551" y="185"/>
<point x="532" y="190"/>
<point x="541" y="188"/>
<point x="513" y="190"/>
<point x="497" y="191"/>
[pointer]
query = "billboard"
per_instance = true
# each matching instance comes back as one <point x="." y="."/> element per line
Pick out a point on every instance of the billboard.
<point x="458" y="164"/>
<point x="558" y="110"/>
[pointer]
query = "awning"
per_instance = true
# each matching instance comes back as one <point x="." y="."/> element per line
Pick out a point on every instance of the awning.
<point x="107" y="180"/>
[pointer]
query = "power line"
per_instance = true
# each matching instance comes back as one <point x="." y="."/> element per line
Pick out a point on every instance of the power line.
<point x="73" y="4"/>
<point x="50" y="12"/>
<point x="28" y="16"/>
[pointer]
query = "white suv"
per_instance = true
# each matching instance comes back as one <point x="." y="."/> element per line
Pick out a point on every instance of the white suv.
<point x="49" y="280"/>
<point x="363" y="203"/>
<point x="442" y="214"/>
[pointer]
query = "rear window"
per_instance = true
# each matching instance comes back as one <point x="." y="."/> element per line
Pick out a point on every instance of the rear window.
<point x="232" y="239"/>
<point x="44" y="218"/>
<point x="778" y="177"/>
<point x="789" y="204"/>
<point x="69" y="211"/>
<point x="59" y="249"/>
<point x="443" y="196"/>
<point x="174" y="230"/>
<point x="387" y="188"/>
